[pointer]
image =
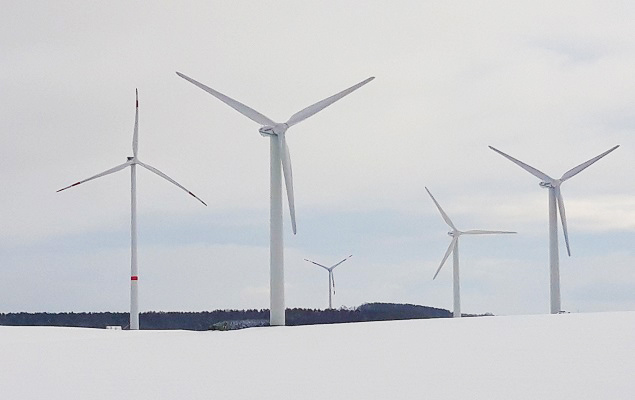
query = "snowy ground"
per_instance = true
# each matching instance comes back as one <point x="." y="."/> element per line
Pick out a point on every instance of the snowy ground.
<point x="574" y="356"/>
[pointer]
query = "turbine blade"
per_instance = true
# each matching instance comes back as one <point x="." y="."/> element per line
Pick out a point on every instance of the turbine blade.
<point x="288" y="177"/>
<point x="238" y="106"/>
<point x="135" y="135"/>
<point x="107" y="172"/>
<point x="340" y="262"/>
<point x="447" y="254"/>
<point x="528" y="168"/>
<point x="333" y="281"/>
<point x="576" y="170"/>
<point x="167" y="178"/>
<point x="320" y="105"/>
<point x="482" y="232"/>
<point x="443" y="214"/>
<point x="563" y="218"/>
<point x="319" y="265"/>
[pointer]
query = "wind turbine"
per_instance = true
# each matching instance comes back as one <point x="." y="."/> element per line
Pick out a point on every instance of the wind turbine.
<point x="555" y="196"/>
<point x="331" y="279"/>
<point x="132" y="163"/>
<point x="279" y="155"/>
<point x="454" y="249"/>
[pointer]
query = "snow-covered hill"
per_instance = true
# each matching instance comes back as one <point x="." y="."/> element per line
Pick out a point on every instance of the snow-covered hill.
<point x="573" y="356"/>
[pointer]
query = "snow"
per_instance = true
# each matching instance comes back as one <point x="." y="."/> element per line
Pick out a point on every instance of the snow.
<point x="570" y="356"/>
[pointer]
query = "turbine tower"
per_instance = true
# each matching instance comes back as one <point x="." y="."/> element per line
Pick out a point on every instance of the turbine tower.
<point x="132" y="163"/>
<point x="279" y="155"/>
<point x="331" y="278"/>
<point x="556" y="204"/>
<point x="454" y="249"/>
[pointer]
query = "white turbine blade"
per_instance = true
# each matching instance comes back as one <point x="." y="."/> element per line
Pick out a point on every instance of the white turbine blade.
<point x="319" y="265"/>
<point x="288" y="177"/>
<point x="167" y="178"/>
<point x="482" y="232"/>
<point x="135" y="135"/>
<point x="443" y="214"/>
<point x="576" y="170"/>
<point x="530" y="169"/>
<point x="320" y="105"/>
<point x="447" y="254"/>
<point x="238" y="106"/>
<point x="107" y="172"/>
<point x="340" y="262"/>
<point x="563" y="218"/>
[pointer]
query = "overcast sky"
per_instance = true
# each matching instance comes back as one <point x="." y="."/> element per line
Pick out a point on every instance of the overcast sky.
<point x="552" y="84"/>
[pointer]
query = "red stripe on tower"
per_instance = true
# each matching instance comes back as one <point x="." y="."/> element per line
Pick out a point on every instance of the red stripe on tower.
<point x="134" y="278"/>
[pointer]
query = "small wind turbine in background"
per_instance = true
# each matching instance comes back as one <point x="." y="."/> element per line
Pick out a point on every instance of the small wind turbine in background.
<point x="132" y="163"/>
<point x="331" y="278"/>
<point x="555" y="196"/>
<point x="454" y="249"/>
<point x="279" y="155"/>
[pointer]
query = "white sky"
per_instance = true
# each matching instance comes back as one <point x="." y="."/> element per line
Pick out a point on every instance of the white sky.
<point x="552" y="85"/>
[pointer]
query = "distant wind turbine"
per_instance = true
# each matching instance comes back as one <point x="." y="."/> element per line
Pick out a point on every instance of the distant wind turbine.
<point x="555" y="196"/>
<point x="454" y="249"/>
<point x="132" y="163"/>
<point x="331" y="278"/>
<point x="279" y="155"/>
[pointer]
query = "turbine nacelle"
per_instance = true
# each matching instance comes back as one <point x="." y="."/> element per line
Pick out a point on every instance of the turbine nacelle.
<point x="273" y="130"/>
<point x="551" y="184"/>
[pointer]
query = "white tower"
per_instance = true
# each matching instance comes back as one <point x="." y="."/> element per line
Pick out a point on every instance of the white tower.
<point x="279" y="152"/>
<point x="132" y="162"/>
<point x="555" y="202"/>
<point x="454" y="249"/>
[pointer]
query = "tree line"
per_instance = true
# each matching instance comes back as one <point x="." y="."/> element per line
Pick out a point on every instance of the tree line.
<point x="226" y="319"/>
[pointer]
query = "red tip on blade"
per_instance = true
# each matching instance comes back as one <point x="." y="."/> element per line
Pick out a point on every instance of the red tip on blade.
<point x="134" y="278"/>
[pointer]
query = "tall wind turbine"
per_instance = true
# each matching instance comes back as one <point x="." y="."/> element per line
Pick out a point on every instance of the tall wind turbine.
<point x="331" y="278"/>
<point x="132" y="163"/>
<point x="279" y="155"/>
<point x="556" y="204"/>
<point x="454" y="249"/>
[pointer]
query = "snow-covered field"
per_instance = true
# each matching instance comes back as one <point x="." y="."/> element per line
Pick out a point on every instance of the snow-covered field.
<point x="573" y="356"/>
